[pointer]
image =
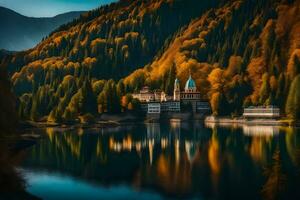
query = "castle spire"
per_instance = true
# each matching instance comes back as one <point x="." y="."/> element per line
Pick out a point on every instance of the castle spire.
<point x="176" y="94"/>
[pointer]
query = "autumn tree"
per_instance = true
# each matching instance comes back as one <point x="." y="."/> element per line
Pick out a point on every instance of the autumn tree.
<point x="293" y="68"/>
<point x="121" y="89"/>
<point x="281" y="90"/>
<point x="98" y="86"/>
<point x="216" y="80"/>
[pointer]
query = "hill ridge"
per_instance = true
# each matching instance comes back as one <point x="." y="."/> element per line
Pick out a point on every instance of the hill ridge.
<point x="23" y="32"/>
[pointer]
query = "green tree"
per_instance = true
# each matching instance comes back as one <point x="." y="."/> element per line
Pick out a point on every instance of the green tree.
<point x="121" y="88"/>
<point x="109" y="100"/>
<point x="69" y="115"/>
<point x="102" y="102"/>
<point x="265" y="89"/>
<point x="98" y="86"/>
<point x="292" y="108"/>
<point x="89" y="102"/>
<point x="280" y="93"/>
<point x="34" y="113"/>
<point x="24" y="107"/>
<point x="293" y="68"/>
<point x="136" y="105"/>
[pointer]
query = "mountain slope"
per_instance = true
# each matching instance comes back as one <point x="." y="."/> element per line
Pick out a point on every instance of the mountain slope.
<point x="115" y="39"/>
<point x="20" y="32"/>
<point x="244" y="53"/>
<point x="241" y="53"/>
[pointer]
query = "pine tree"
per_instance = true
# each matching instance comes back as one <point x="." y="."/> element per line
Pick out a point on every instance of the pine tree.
<point x="68" y="115"/>
<point x="265" y="89"/>
<point x="34" y="113"/>
<point x="280" y="93"/>
<point x="121" y="88"/>
<point x="116" y="100"/>
<point x="293" y="101"/>
<point x="89" y="99"/>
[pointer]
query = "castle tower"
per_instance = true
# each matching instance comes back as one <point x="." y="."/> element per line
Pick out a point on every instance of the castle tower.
<point x="176" y="90"/>
<point x="190" y="85"/>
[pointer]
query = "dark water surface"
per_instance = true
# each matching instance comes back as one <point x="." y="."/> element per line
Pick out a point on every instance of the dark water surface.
<point x="165" y="161"/>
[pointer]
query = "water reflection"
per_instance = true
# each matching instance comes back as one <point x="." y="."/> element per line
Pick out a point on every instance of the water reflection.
<point x="260" y="130"/>
<point x="175" y="160"/>
<point x="12" y="184"/>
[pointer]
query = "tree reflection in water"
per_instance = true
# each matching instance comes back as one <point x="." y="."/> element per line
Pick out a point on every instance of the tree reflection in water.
<point x="10" y="179"/>
<point x="177" y="159"/>
<point x="275" y="185"/>
<point x="12" y="184"/>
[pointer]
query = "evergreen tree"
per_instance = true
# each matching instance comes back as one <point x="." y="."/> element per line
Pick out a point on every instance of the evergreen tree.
<point x="136" y="105"/>
<point x="121" y="88"/>
<point x="280" y="93"/>
<point x="102" y="102"/>
<point x="68" y="115"/>
<point x="89" y="104"/>
<point x="293" y="101"/>
<point x="34" y="113"/>
<point x="265" y="89"/>
<point x="116" y="100"/>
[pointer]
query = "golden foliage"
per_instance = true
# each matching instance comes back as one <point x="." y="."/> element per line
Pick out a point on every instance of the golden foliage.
<point x="256" y="69"/>
<point x="273" y="83"/>
<point x="293" y="66"/>
<point x="216" y="79"/>
<point x="234" y="66"/>
<point x="89" y="62"/>
<point x="214" y="102"/>
<point x="99" y="42"/>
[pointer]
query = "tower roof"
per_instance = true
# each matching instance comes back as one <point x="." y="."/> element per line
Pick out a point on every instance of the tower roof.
<point x="190" y="84"/>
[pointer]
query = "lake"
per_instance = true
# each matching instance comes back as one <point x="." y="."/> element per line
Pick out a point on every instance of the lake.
<point x="173" y="160"/>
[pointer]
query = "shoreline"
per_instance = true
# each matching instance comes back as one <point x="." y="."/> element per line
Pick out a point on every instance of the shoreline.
<point x="103" y="121"/>
<point x="113" y="121"/>
<point x="10" y="147"/>
<point x="242" y="121"/>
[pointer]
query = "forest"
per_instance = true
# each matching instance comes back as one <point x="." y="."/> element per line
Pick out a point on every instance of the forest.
<point x="240" y="52"/>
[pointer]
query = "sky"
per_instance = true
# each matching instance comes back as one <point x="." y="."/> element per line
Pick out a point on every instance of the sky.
<point x="50" y="8"/>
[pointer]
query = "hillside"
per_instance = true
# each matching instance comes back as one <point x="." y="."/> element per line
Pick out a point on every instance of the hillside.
<point x="241" y="53"/>
<point x="244" y="53"/>
<point x="20" y="32"/>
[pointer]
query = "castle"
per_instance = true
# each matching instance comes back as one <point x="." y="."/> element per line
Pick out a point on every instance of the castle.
<point x="156" y="102"/>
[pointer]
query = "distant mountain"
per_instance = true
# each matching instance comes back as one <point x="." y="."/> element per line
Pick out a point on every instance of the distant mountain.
<point x="19" y="32"/>
<point x="4" y="53"/>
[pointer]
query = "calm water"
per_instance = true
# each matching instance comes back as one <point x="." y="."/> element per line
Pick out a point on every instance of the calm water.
<point x="165" y="161"/>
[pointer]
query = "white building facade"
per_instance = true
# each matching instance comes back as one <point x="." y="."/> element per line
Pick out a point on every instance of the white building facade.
<point x="270" y="112"/>
<point x="154" y="108"/>
<point x="158" y="101"/>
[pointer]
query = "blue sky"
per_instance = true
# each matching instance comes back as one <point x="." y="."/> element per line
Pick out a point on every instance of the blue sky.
<point x="49" y="8"/>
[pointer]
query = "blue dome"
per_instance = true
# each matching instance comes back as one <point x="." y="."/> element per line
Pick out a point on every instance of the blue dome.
<point x="190" y="84"/>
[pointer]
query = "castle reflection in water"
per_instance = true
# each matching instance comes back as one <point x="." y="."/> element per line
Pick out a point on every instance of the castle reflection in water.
<point x="177" y="159"/>
<point x="155" y="139"/>
<point x="250" y="130"/>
